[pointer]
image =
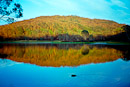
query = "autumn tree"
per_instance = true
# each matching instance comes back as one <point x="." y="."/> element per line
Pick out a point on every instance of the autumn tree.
<point x="85" y="34"/>
<point x="9" y="10"/>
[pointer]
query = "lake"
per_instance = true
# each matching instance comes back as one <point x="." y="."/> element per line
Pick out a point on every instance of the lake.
<point x="64" y="65"/>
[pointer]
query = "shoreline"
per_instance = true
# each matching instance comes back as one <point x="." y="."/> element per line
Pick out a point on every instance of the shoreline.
<point x="59" y="42"/>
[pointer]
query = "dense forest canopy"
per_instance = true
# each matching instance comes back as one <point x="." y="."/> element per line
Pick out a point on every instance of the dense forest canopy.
<point x="45" y="26"/>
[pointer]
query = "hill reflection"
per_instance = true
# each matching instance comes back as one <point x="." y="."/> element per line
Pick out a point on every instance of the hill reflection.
<point x="57" y="55"/>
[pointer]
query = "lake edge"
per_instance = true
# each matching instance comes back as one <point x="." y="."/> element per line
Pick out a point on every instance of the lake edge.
<point x="59" y="42"/>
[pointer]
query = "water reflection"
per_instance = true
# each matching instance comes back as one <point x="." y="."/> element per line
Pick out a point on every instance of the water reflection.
<point x="110" y="74"/>
<point x="18" y="65"/>
<point x="85" y="50"/>
<point x="57" y="55"/>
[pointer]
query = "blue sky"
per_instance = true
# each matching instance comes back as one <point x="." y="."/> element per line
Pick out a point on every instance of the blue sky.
<point x="116" y="10"/>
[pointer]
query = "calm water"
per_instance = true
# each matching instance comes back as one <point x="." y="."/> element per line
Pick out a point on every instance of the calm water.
<point x="64" y="65"/>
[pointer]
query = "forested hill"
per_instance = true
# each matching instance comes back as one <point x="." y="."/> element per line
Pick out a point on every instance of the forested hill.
<point x="44" y="26"/>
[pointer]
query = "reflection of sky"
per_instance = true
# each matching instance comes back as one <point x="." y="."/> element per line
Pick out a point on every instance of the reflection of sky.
<point x="111" y="74"/>
<point x="5" y="63"/>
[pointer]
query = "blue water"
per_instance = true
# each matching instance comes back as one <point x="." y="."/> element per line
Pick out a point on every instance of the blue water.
<point x="109" y="74"/>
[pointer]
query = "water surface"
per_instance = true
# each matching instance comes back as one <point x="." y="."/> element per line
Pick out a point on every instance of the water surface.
<point x="64" y="65"/>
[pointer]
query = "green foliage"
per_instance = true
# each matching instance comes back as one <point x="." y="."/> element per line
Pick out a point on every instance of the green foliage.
<point x="50" y="32"/>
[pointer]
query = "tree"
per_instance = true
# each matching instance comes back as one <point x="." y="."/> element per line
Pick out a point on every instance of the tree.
<point x="127" y="30"/>
<point x="64" y="37"/>
<point x="85" y="34"/>
<point x="91" y="37"/>
<point x="10" y="10"/>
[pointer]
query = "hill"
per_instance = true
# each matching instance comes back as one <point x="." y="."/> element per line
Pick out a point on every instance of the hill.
<point x="49" y="27"/>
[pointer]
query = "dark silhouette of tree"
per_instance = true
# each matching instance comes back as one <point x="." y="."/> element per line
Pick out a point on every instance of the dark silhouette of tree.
<point x="64" y="37"/>
<point x="85" y="34"/>
<point x="1" y="38"/>
<point x="90" y="37"/>
<point x="3" y="56"/>
<point x="127" y="30"/>
<point x="9" y="10"/>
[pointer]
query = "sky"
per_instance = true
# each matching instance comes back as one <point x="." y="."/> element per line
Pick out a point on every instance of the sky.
<point x="116" y="10"/>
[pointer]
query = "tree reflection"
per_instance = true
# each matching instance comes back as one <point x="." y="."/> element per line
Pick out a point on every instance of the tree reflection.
<point x="54" y="55"/>
<point x="3" y="56"/>
<point x="126" y="59"/>
<point x="85" y="50"/>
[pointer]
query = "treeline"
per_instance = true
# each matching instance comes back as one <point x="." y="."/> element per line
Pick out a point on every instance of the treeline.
<point x="51" y="27"/>
<point x="75" y="38"/>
